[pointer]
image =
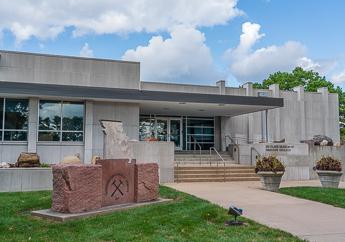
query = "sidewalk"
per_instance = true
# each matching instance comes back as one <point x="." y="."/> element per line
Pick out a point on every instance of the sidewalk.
<point x="309" y="220"/>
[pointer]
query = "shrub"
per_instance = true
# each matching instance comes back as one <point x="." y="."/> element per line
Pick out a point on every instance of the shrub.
<point x="269" y="163"/>
<point x="328" y="163"/>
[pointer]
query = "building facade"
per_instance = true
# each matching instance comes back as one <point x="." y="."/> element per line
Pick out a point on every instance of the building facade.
<point x="52" y="105"/>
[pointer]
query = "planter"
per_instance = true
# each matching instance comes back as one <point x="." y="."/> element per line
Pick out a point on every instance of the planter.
<point x="25" y="179"/>
<point x="329" y="178"/>
<point x="270" y="180"/>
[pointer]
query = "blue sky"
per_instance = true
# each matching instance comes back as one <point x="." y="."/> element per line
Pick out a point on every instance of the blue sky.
<point x="195" y="41"/>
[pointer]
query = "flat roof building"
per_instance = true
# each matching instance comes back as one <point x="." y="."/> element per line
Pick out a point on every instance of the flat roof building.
<point x="52" y="105"/>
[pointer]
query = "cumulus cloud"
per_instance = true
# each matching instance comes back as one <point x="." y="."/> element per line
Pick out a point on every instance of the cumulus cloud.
<point x="183" y="57"/>
<point x="46" y="19"/>
<point x="249" y="64"/>
<point x="86" y="51"/>
<point x="338" y="78"/>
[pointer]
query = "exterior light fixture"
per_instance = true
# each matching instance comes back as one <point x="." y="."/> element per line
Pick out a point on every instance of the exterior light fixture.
<point x="236" y="212"/>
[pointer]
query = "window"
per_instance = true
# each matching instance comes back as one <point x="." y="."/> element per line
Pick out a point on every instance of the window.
<point x="61" y="121"/>
<point x="14" y="115"/>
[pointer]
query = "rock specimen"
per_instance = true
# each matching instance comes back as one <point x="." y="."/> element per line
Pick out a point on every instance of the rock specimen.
<point x="28" y="160"/>
<point x="116" y="144"/>
<point x="117" y="181"/>
<point x="71" y="159"/>
<point x="318" y="139"/>
<point x="146" y="182"/>
<point x="76" y="188"/>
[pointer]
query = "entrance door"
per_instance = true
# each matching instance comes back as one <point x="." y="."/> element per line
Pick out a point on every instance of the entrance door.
<point x="170" y="129"/>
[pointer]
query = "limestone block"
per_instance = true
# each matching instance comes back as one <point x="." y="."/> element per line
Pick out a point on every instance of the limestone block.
<point x="71" y="159"/>
<point x="76" y="188"/>
<point x="146" y="182"/>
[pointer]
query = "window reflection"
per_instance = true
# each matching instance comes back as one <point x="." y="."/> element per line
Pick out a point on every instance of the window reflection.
<point x="61" y="121"/>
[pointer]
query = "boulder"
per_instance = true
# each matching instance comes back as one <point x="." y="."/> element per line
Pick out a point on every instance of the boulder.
<point x="71" y="159"/>
<point x="320" y="138"/>
<point x="26" y="159"/>
<point x="76" y="188"/>
<point x="146" y="182"/>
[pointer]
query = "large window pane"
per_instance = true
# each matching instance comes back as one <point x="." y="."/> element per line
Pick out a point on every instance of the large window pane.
<point x="48" y="136"/>
<point x="16" y="114"/>
<point x="72" y="136"/>
<point x="50" y="115"/>
<point x="73" y="116"/>
<point x="1" y="114"/>
<point x="15" y="135"/>
<point x="146" y="128"/>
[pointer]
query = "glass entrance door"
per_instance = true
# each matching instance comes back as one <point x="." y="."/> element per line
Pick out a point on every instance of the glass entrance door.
<point x="169" y="129"/>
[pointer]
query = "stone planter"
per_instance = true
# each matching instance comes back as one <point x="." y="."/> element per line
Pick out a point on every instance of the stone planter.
<point x="25" y="179"/>
<point x="270" y="180"/>
<point x="329" y="178"/>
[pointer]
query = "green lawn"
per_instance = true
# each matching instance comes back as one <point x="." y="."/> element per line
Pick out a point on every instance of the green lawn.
<point x="332" y="196"/>
<point x="187" y="218"/>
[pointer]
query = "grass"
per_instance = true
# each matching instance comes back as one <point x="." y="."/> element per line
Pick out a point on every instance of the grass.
<point x="332" y="196"/>
<point x="187" y="218"/>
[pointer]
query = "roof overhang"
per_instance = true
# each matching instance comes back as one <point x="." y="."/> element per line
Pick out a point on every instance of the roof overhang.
<point x="151" y="102"/>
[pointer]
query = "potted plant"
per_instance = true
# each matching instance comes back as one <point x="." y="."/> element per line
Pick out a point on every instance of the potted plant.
<point x="329" y="171"/>
<point x="270" y="169"/>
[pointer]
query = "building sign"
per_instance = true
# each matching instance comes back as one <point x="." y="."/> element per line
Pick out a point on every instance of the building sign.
<point x="279" y="148"/>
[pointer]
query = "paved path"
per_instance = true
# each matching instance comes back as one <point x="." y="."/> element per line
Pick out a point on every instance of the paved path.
<point x="309" y="220"/>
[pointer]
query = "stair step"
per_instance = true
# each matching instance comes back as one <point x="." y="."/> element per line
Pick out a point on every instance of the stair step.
<point x="243" y="175"/>
<point x="236" y="171"/>
<point x="228" y="167"/>
<point x="218" y="179"/>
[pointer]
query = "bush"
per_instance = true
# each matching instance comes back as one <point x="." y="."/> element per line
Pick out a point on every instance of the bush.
<point x="269" y="163"/>
<point x="328" y="163"/>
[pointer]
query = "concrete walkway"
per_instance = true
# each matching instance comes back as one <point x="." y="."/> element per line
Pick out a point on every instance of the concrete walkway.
<point x="308" y="220"/>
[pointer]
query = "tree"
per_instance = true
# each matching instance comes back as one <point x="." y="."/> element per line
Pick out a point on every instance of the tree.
<point x="311" y="81"/>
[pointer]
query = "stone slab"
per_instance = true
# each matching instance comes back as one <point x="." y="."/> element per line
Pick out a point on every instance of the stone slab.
<point x="146" y="182"/>
<point x="62" y="217"/>
<point x="117" y="181"/>
<point x="76" y="188"/>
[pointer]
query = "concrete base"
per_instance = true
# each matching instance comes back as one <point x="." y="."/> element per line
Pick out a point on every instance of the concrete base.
<point x="62" y="217"/>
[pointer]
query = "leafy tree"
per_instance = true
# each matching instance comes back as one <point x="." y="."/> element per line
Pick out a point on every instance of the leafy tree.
<point x="311" y="81"/>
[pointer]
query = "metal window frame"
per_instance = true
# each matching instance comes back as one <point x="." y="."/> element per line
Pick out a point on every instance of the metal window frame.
<point x="3" y="130"/>
<point x="60" y="131"/>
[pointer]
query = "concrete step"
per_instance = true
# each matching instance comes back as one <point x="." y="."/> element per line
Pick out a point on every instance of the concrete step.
<point x="226" y="175"/>
<point x="234" y="179"/>
<point x="203" y="159"/>
<point x="218" y="171"/>
<point x="228" y="167"/>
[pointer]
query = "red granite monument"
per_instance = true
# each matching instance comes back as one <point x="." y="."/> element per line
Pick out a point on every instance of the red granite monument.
<point x="81" y="188"/>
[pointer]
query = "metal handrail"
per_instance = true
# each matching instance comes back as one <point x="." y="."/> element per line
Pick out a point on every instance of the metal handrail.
<point x="213" y="148"/>
<point x="235" y="144"/>
<point x="199" y="146"/>
<point x="251" y="154"/>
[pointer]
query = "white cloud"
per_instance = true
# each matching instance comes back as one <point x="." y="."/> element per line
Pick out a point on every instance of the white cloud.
<point x="183" y="57"/>
<point x="46" y="19"/>
<point x="86" y="51"/>
<point x="338" y="78"/>
<point x="248" y="64"/>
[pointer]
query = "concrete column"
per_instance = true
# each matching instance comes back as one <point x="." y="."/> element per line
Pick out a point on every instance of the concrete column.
<point x="33" y="120"/>
<point x="276" y="112"/>
<point x="88" y="145"/>
<point x="221" y="86"/>
<point x="324" y="109"/>
<point x="250" y="92"/>
<point x="302" y="114"/>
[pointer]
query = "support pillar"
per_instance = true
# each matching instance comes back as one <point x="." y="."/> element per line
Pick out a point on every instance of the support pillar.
<point x="32" y="125"/>
<point x="88" y="144"/>
<point x="221" y="86"/>
<point x="276" y="112"/>
<point x="324" y="110"/>
<point x="250" y="92"/>
<point x="301" y="101"/>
